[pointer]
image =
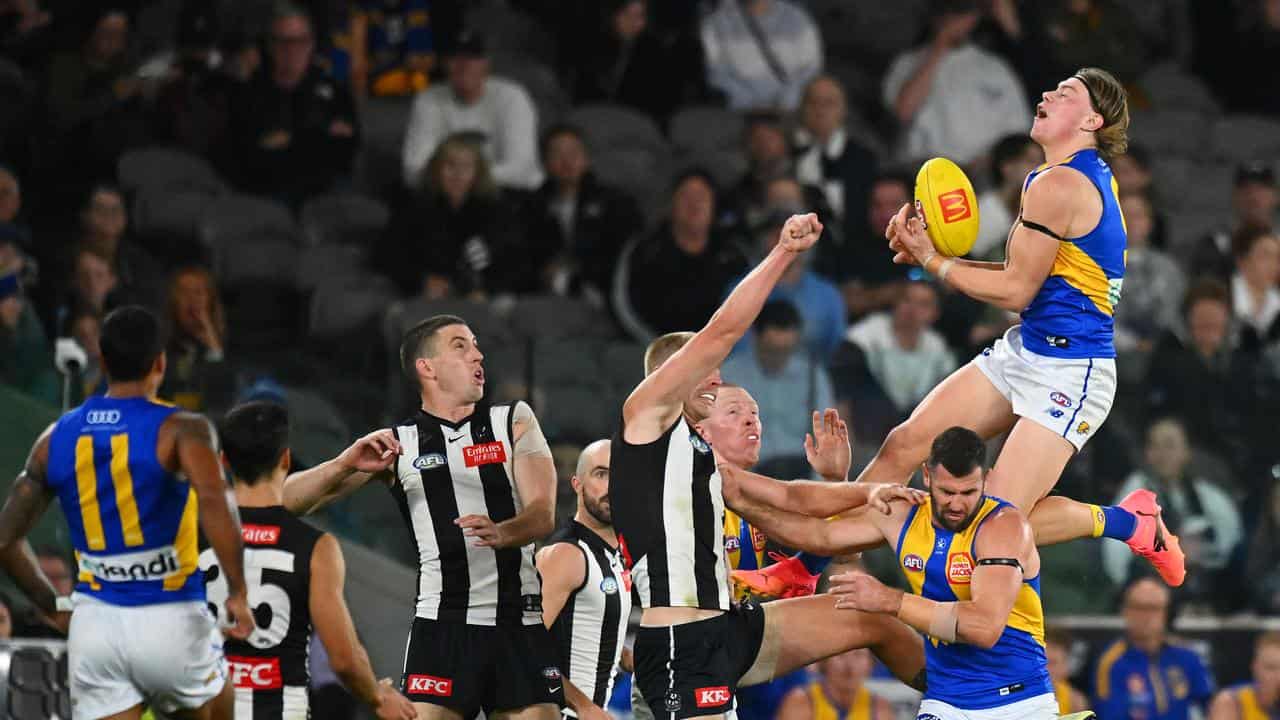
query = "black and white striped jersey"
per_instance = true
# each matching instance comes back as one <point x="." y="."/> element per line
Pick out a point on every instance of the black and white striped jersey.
<point x="668" y="510"/>
<point x="271" y="669"/>
<point x="592" y="627"/>
<point x="447" y="470"/>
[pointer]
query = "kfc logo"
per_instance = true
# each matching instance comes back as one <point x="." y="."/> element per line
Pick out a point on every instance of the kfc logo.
<point x="960" y="568"/>
<point x="255" y="673"/>
<point x="484" y="454"/>
<point x="955" y="206"/>
<point x="712" y="696"/>
<point x="429" y="685"/>
<point x="261" y="534"/>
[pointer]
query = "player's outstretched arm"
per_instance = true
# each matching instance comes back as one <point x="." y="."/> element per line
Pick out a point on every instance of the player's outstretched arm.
<point x="332" y="622"/>
<point x="534" y="473"/>
<point x="810" y="498"/>
<point x="660" y="395"/>
<point x="27" y="501"/>
<point x="370" y="457"/>
<point x="197" y="449"/>
<point x="563" y="570"/>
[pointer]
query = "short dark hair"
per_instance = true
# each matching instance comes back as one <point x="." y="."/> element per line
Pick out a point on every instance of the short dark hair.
<point x="779" y="315"/>
<point x="254" y="437"/>
<point x="959" y="450"/>
<point x="892" y="176"/>
<point x="102" y="187"/>
<point x="131" y="341"/>
<point x="1206" y="289"/>
<point x="1006" y="149"/>
<point x="555" y="131"/>
<point x="1245" y="238"/>
<point x="417" y="342"/>
<point x="1058" y="636"/>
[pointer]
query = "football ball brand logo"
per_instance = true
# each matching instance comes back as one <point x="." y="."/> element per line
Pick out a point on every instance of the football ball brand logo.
<point x="955" y="206"/>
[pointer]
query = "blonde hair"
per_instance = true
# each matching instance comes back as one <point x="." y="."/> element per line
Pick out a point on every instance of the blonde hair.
<point x="483" y="185"/>
<point x="661" y="349"/>
<point x="1109" y="99"/>
<point x="1269" y="639"/>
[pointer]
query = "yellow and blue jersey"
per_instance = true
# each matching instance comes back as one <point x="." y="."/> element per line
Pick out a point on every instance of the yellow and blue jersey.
<point x="743" y="544"/>
<point x="1071" y="316"/>
<point x="1166" y="686"/>
<point x="1246" y="696"/>
<point x="133" y="524"/>
<point x="824" y="709"/>
<point x="939" y="565"/>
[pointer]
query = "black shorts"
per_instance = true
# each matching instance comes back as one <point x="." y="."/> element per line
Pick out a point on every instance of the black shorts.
<point x="693" y="669"/>
<point x="469" y="668"/>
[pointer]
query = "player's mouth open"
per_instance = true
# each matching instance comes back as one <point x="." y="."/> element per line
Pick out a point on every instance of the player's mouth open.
<point x="479" y="376"/>
<point x="709" y="397"/>
<point x="1040" y="113"/>
<point x="752" y="437"/>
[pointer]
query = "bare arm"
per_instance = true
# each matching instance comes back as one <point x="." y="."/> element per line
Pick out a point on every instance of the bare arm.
<point x="807" y="497"/>
<point x="563" y="570"/>
<point x="795" y="706"/>
<point x="27" y="501"/>
<point x="917" y="88"/>
<point x="535" y="479"/>
<point x="1224" y="706"/>
<point x="369" y="458"/>
<point x="657" y="401"/>
<point x="332" y="622"/>
<point x="853" y="533"/>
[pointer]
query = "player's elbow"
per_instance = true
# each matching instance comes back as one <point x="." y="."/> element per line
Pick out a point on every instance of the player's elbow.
<point x="984" y="633"/>
<point x="1018" y="295"/>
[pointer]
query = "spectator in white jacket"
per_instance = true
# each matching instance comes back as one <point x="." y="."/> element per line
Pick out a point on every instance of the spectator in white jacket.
<point x="498" y="111"/>
<point x="761" y="53"/>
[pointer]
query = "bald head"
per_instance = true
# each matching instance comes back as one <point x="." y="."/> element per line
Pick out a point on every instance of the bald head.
<point x="591" y="483"/>
<point x="594" y="455"/>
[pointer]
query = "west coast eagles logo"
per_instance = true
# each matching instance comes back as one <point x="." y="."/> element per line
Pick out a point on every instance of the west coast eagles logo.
<point x="699" y="444"/>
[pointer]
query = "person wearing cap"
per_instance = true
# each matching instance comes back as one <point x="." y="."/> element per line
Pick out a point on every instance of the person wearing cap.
<point x="472" y="101"/>
<point x="1255" y="202"/>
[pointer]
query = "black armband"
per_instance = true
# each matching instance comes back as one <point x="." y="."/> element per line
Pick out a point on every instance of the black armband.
<point x="1041" y="229"/>
<point x="1011" y="562"/>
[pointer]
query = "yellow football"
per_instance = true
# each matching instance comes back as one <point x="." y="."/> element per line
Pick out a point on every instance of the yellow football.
<point x="947" y="205"/>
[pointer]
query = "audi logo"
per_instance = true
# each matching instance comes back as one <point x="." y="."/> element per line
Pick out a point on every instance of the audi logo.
<point x="103" y="417"/>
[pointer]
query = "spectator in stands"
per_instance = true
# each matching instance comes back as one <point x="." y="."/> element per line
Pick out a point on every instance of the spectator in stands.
<point x="293" y="127"/>
<point x="873" y="280"/>
<point x="92" y="281"/>
<point x="1057" y="649"/>
<point x="786" y="381"/>
<point x="768" y="158"/>
<point x="25" y="361"/>
<point x="952" y="97"/>
<point x="10" y="195"/>
<point x="624" y="61"/>
<point x="904" y="354"/>
<point x="813" y="296"/>
<point x="1133" y="175"/>
<point x="386" y="48"/>
<point x="6" y="617"/>
<point x="196" y="326"/>
<point x="1255" y="202"/>
<point x="499" y="111"/>
<point x="1254" y="295"/>
<point x="1148" y="674"/>
<point x="1100" y="33"/>
<point x="192" y="107"/>
<point x="1259" y="698"/>
<point x="453" y="235"/>
<point x="1254" y="43"/>
<point x="104" y="225"/>
<point x="675" y="278"/>
<point x="1198" y="371"/>
<point x="1012" y="157"/>
<point x="761" y="53"/>
<point x="1196" y="509"/>
<point x="95" y="96"/>
<point x="827" y="157"/>
<point x="576" y="225"/>
<point x="1154" y="282"/>
<point x="22" y="23"/>
<point x="85" y="325"/>
<point x="838" y="691"/>
<point x="1261" y="567"/>
<point x="55" y="566"/>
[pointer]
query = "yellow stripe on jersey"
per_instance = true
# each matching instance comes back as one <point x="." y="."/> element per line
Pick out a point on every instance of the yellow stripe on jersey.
<point x="1115" y="193"/>
<point x="1250" y="708"/>
<point x="87" y="489"/>
<point x="123" y="482"/>
<point x="824" y="709"/>
<point x="185" y="543"/>
<point x="1084" y="274"/>
<point x="1102" y="681"/>
<point x="86" y="576"/>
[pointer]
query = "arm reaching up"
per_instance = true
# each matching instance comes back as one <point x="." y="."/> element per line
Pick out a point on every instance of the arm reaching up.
<point x="371" y="456"/>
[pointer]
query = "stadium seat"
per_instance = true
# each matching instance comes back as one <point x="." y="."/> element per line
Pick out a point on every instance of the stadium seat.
<point x="1187" y="228"/>
<point x="231" y="218"/>
<point x="640" y="172"/>
<point x="33" y="668"/>
<point x="575" y="413"/>
<point x="317" y="431"/>
<point x="706" y="128"/>
<point x="383" y="122"/>
<point x="263" y="315"/>
<point x="1171" y="88"/>
<point x="560" y="361"/>
<point x="726" y="166"/>
<point x="615" y="126"/>
<point x="1185" y="185"/>
<point x="539" y="81"/>
<point x="623" y="365"/>
<point x="166" y="221"/>
<point x="348" y="218"/>
<point x="1181" y="132"/>
<point x="544" y="317"/>
<point x="256" y="258"/>
<point x="331" y="266"/>
<point x="510" y="29"/>
<point x="169" y="167"/>
<point x="1243" y="138"/>
<point x="339" y="308"/>
<point x="28" y="705"/>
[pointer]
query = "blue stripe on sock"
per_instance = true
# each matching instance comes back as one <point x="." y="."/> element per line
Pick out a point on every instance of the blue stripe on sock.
<point x="1084" y="393"/>
<point x="1119" y="524"/>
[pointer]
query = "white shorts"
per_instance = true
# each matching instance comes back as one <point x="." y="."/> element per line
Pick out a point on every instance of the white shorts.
<point x="169" y="656"/>
<point x="1071" y="397"/>
<point x="1040" y="707"/>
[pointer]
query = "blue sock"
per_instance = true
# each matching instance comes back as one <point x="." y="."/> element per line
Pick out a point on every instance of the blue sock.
<point x="815" y="564"/>
<point x="1117" y="523"/>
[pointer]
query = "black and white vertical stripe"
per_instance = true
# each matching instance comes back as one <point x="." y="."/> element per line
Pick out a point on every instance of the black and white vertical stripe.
<point x="592" y="627"/>
<point x="457" y="581"/>
<point x="668" y="508"/>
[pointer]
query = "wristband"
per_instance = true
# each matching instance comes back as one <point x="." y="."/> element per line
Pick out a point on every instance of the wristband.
<point x="945" y="268"/>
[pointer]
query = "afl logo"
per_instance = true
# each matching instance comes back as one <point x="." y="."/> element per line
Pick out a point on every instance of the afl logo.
<point x="609" y="586"/>
<point x="1060" y="399"/>
<point x="699" y="444"/>
<point x="913" y="562"/>
<point x="426" y="462"/>
<point x="102" y="417"/>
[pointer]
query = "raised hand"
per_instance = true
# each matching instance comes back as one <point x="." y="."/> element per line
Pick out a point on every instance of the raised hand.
<point x="372" y="453"/>
<point x="827" y="447"/>
<point x="800" y="232"/>
<point x="882" y="496"/>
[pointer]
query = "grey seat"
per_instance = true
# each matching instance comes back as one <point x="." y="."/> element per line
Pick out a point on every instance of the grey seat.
<point x="169" y="167"/>
<point x="1182" y="132"/>
<point x="229" y="217"/>
<point x="1170" y="87"/>
<point x="383" y="122"/>
<point x="623" y="364"/>
<point x="317" y="430"/>
<point x="343" y="218"/>
<point x="539" y="81"/>
<point x="562" y="361"/>
<point x="1242" y="138"/>
<point x="705" y="129"/>
<point x="574" y="413"/>
<point x="348" y="306"/>
<point x="549" y="317"/>
<point x="614" y="126"/>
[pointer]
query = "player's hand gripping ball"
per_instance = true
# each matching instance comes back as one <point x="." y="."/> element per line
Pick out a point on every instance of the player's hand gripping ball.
<point x="946" y="205"/>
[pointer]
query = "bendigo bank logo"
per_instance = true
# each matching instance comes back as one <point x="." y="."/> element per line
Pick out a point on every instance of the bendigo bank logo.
<point x="959" y="568"/>
<point x="955" y="205"/>
<point x="156" y="564"/>
<point x="429" y="685"/>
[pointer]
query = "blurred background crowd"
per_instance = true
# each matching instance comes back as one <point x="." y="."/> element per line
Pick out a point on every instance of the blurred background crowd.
<point x="291" y="185"/>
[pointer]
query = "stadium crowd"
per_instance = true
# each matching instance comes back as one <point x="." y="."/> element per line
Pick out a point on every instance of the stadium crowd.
<point x="291" y="185"/>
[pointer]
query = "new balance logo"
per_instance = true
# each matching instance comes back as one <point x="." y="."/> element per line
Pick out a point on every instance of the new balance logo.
<point x="712" y="696"/>
<point x="429" y="685"/>
<point x="955" y="206"/>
